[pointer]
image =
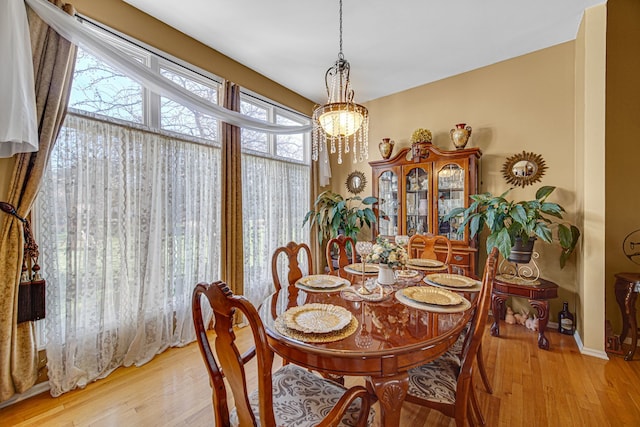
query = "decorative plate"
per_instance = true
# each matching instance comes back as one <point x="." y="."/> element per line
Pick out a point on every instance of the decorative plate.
<point x="317" y="338"/>
<point x="316" y="318"/>
<point x="431" y="295"/>
<point x="450" y="280"/>
<point x="463" y="306"/>
<point x="323" y="281"/>
<point x="406" y="274"/>
<point x="381" y="293"/>
<point x="357" y="268"/>
<point x="477" y="287"/>
<point x="426" y="263"/>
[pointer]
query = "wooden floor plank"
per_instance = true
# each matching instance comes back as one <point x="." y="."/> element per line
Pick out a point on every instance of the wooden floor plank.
<point x="532" y="387"/>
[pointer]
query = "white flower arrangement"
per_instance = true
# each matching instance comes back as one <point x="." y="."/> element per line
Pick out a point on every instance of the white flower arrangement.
<point x="385" y="252"/>
<point x="421" y="135"/>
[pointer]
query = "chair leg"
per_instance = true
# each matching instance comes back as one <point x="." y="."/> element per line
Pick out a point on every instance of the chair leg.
<point x="475" y="406"/>
<point x="483" y="372"/>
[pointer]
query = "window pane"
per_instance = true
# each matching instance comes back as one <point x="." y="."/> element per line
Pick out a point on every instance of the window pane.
<point x="177" y="118"/>
<point x="289" y="146"/>
<point x="253" y="140"/>
<point x="118" y="96"/>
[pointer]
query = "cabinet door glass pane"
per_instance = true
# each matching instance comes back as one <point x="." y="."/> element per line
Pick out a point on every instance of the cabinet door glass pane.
<point x="450" y="195"/>
<point x="388" y="204"/>
<point x="417" y="199"/>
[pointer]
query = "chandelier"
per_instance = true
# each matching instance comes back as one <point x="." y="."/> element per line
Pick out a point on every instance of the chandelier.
<point x="341" y="122"/>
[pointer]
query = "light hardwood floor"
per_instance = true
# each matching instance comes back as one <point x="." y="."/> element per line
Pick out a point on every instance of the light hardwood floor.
<point x="532" y="387"/>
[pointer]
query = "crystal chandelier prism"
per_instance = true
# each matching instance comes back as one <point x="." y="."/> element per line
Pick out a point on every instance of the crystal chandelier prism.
<point x="340" y="122"/>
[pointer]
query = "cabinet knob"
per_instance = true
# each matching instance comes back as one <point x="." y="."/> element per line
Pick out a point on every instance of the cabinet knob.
<point x="457" y="258"/>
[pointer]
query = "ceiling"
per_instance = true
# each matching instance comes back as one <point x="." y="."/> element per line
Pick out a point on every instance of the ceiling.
<point x="391" y="45"/>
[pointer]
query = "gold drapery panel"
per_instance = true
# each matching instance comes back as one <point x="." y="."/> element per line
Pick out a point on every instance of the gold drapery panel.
<point x="232" y="253"/>
<point x="317" y="252"/>
<point x="53" y="62"/>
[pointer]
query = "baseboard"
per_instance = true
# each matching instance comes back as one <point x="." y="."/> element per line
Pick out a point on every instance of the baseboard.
<point x="600" y="354"/>
<point x="36" y="389"/>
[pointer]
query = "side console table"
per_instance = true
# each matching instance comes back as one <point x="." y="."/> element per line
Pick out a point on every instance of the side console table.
<point x="538" y="296"/>
<point x="627" y="287"/>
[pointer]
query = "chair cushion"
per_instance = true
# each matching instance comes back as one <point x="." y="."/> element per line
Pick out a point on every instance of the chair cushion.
<point x="301" y="398"/>
<point x="435" y="381"/>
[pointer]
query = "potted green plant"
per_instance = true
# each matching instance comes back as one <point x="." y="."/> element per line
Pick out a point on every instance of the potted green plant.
<point x="511" y="223"/>
<point x="336" y="215"/>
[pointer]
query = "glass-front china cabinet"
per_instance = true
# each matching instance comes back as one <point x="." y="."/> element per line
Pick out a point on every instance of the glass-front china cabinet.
<point x="418" y="187"/>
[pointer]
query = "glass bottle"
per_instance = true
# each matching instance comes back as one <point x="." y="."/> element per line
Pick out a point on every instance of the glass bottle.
<point x="566" y="324"/>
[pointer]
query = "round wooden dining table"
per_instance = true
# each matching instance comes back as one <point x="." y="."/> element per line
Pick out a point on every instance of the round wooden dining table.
<point x="390" y="339"/>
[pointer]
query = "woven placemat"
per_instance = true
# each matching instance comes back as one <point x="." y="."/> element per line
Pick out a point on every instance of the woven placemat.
<point x="517" y="280"/>
<point x="317" y="338"/>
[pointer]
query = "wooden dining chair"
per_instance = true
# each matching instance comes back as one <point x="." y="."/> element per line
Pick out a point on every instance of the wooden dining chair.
<point x="292" y="250"/>
<point x="445" y="384"/>
<point x="341" y="242"/>
<point x="424" y="246"/>
<point x="289" y="396"/>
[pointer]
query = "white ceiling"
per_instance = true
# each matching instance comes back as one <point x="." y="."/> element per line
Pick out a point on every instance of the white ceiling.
<point x="391" y="45"/>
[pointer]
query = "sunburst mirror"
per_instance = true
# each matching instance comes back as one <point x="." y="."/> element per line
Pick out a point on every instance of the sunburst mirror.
<point x="523" y="169"/>
<point x="356" y="181"/>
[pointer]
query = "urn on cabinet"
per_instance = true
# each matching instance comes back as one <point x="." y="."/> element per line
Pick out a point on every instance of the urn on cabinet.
<point x="386" y="147"/>
<point x="460" y="135"/>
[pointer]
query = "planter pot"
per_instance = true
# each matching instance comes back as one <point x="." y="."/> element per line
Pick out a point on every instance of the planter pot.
<point x="521" y="252"/>
<point x="386" y="275"/>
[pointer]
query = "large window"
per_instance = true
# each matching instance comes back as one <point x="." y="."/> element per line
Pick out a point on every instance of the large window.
<point x="128" y="217"/>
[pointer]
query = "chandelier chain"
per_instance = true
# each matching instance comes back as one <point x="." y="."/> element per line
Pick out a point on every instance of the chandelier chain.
<point x="340" y="125"/>
<point x="340" y="54"/>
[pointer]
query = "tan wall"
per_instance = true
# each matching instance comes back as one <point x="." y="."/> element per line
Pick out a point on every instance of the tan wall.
<point x="622" y="141"/>
<point x="131" y="21"/>
<point x="526" y="103"/>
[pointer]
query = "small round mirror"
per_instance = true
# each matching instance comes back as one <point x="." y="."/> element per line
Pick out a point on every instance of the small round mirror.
<point x="523" y="169"/>
<point x="356" y="182"/>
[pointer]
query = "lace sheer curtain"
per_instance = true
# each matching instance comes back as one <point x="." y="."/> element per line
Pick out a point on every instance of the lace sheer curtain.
<point x="128" y="224"/>
<point x="275" y="200"/>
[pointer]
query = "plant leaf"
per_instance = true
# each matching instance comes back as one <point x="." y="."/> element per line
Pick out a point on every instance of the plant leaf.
<point x="474" y="224"/>
<point x="369" y="200"/>
<point x="552" y="209"/>
<point x="544" y="191"/>
<point x="564" y="235"/>
<point x="543" y="231"/>
<point x="453" y="213"/>
<point x="501" y="240"/>
<point x="519" y="215"/>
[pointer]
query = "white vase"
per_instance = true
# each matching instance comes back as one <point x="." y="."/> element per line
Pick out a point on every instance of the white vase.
<point x="386" y="275"/>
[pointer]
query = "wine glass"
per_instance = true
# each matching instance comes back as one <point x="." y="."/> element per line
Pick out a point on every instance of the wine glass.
<point x="364" y="249"/>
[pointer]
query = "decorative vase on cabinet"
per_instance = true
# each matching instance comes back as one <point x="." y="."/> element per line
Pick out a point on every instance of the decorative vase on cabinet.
<point x="460" y="135"/>
<point x="386" y="147"/>
<point x="415" y="193"/>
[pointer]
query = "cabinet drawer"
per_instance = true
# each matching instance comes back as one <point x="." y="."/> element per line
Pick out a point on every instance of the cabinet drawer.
<point x="461" y="259"/>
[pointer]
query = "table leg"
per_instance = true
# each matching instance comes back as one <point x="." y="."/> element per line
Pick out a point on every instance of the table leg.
<point x="622" y="293"/>
<point x="497" y="308"/>
<point x="630" y="310"/>
<point x="390" y="392"/>
<point x="543" y="317"/>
